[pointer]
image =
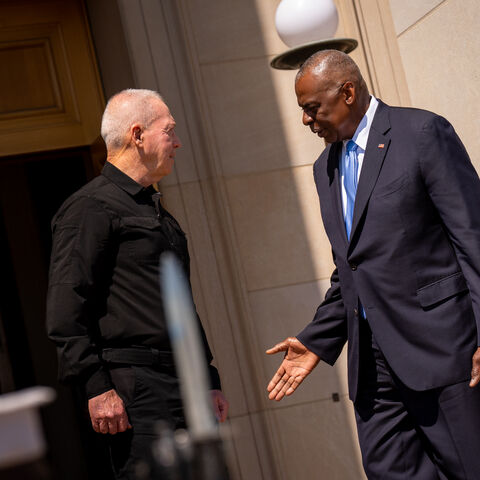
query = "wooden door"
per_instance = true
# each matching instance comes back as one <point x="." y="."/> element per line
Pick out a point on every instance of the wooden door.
<point x="50" y="110"/>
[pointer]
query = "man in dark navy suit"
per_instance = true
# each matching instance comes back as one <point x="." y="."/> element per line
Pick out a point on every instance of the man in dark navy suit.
<point x="400" y="202"/>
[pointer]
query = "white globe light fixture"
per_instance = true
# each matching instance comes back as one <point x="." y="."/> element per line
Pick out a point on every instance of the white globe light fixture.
<point x="307" y="26"/>
<point x="305" y="21"/>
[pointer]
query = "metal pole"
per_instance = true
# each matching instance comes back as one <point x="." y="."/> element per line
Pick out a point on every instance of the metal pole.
<point x="204" y="459"/>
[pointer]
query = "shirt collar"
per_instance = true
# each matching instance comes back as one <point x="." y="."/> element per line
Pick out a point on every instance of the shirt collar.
<point x="360" y="136"/>
<point x="121" y="179"/>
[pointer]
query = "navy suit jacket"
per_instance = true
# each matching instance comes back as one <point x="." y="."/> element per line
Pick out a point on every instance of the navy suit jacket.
<point x="413" y="259"/>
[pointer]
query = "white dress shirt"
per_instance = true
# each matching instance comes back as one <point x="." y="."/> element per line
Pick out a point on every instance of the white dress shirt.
<point x="360" y="137"/>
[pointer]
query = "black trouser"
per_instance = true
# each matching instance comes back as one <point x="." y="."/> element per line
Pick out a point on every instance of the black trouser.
<point x="150" y="394"/>
<point x="405" y="434"/>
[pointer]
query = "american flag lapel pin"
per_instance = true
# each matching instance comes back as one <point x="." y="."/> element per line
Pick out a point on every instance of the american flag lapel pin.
<point x="381" y="145"/>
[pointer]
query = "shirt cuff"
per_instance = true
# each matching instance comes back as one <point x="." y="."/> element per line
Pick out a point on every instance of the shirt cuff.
<point x="214" y="378"/>
<point x="98" y="383"/>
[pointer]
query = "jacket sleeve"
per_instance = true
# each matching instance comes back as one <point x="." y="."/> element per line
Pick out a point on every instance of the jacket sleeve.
<point x="454" y="187"/>
<point x="81" y="234"/>
<point x="326" y="334"/>
<point x="214" y="377"/>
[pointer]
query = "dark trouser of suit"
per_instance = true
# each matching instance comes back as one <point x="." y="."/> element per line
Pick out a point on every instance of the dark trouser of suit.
<point x="150" y="395"/>
<point x="405" y="434"/>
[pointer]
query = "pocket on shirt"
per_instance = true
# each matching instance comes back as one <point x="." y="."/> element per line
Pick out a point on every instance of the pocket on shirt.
<point x="142" y="238"/>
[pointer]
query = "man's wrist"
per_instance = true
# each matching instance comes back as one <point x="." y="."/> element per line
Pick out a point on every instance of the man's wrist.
<point x="98" y="383"/>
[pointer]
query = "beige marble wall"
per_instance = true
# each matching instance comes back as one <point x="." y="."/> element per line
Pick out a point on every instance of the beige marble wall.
<point x="264" y="156"/>
<point x="440" y="47"/>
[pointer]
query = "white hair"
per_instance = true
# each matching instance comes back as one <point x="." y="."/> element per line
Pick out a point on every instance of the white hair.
<point x="123" y="110"/>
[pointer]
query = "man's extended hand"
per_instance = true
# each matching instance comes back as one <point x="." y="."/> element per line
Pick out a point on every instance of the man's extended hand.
<point x="108" y="414"/>
<point x="475" y="368"/>
<point x="297" y="364"/>
<point x="220" y="405"/>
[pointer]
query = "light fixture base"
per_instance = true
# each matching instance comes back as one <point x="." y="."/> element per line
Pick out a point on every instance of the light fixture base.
<point x="294" y="57"/>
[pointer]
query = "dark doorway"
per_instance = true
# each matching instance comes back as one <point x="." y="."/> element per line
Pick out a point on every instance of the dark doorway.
<point x="32" y="188"/>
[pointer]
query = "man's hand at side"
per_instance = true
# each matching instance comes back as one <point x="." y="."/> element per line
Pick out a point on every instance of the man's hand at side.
<point x="220" y="405"/>
<point x="108" y="414"/>
<point x="475" y="368"/>
<point x="297" y="364"/>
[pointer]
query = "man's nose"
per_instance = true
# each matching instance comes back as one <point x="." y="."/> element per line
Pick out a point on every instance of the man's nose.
<point x="306" y="118"/>
<point x="176" y="141"/>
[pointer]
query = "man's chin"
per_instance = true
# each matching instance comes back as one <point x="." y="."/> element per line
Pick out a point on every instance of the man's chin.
<point x="326" y="135"/>
<point x="328" y="138"/>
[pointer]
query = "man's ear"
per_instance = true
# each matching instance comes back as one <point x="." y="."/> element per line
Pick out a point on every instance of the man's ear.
<point x="137" y="134"/>
<point x="349" y="92"/>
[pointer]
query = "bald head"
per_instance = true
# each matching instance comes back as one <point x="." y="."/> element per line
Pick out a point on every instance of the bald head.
<point x="335" y="67"/>
<point x="332" y="94"/>
<point x="126" y="108"/>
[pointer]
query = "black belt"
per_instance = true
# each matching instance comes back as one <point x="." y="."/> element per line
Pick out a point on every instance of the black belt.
<point x="138" y="356"/>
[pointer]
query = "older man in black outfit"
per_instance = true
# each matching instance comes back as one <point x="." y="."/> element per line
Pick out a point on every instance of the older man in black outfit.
<point x="105" y="310"/>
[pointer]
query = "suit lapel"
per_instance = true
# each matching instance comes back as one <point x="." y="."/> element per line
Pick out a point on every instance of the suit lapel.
<point x="335" y="189"/>
<point x="377" y="147"/>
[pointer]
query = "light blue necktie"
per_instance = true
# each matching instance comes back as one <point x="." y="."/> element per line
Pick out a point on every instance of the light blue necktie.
<point x="350" y="176"/>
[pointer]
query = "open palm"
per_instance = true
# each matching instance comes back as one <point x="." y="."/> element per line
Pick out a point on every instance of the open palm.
<point x="296" y="365"/>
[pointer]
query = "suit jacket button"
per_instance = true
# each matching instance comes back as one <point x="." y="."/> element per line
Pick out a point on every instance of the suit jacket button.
<point x="353" y="266"/>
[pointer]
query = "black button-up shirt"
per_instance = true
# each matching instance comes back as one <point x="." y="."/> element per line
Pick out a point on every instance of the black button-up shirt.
<point x="104" y="283"/>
